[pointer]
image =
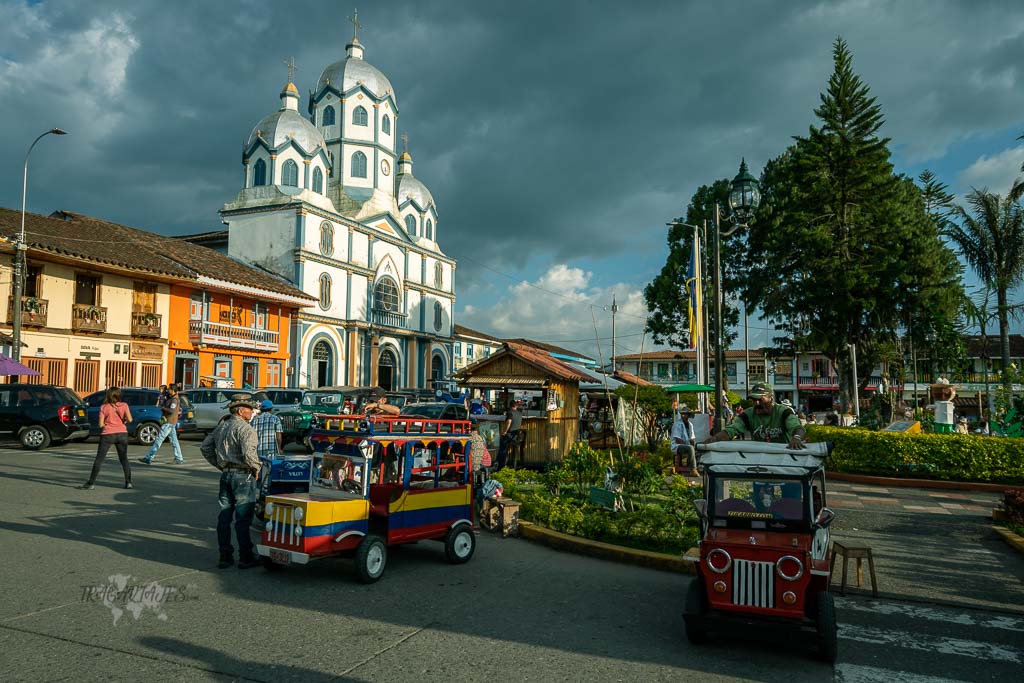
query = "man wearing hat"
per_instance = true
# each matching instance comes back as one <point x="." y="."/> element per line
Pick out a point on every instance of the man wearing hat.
<point x="269" y="431"/>
<point x="234" y="444"/>
<point x="766" y="422"/>
<point x="683" y="439"/>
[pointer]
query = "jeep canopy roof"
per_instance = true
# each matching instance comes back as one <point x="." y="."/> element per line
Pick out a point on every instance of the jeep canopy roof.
<point x="756" y="457"/>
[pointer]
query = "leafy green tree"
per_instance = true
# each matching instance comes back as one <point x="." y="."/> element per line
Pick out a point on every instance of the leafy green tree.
<point x="666" y="296"/>
<point x="841" y="248"/>
<point x="654" y="403"/>
<point x="990" y="238"/>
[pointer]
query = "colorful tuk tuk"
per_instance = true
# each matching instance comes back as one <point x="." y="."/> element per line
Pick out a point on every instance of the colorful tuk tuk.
<point x="374" y="482"/>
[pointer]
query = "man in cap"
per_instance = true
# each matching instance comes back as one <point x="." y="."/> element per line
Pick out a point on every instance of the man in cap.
<point x="171" y="408"/>
<point x="233" y="445"/>
<point x="269" y="431"/>
<point x="684" y="439"/>
<point x="766" y="422"/>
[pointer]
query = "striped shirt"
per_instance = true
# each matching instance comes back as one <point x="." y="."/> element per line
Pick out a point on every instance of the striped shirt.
<point x="267" y="426"/>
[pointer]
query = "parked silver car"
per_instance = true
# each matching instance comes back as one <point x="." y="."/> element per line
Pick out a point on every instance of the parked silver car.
<point x="209" y="405"/>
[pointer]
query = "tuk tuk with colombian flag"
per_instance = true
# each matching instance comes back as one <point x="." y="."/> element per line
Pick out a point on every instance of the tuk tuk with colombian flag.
<point x="375" y="481"/>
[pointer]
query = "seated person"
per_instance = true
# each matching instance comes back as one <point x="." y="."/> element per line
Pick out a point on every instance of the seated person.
<point x="381" y="407"/>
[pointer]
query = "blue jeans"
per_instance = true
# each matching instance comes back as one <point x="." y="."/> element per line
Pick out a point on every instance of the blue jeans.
<point x="237" y="498"/>
<point x="167" y="430"/>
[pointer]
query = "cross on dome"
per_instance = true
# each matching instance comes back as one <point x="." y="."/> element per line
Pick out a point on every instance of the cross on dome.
<point x="290" y="63"/>
<point x="405" y="142"/>
<point x="354" y="19"/>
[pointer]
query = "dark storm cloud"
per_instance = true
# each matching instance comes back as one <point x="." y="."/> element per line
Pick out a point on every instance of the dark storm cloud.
<point x="561" y="129"/>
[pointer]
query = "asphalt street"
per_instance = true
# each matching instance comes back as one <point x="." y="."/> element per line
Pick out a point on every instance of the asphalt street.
<point x="115" y="584"/>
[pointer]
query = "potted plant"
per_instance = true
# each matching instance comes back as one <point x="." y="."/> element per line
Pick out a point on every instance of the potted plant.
<point x="30" y="304"/>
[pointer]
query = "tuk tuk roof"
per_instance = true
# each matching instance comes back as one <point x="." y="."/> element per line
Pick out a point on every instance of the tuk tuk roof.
<point x="754" y="457"/>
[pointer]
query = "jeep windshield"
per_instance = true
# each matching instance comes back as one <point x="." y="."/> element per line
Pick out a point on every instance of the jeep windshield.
<point x="429" y="410"/>
<point x="323" y="400"/>
<point x="771" y="503"/>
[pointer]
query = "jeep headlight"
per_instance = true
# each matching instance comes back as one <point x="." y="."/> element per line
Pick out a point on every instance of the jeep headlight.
<point x="269" y="509"/>
<point x="297" y="515"/>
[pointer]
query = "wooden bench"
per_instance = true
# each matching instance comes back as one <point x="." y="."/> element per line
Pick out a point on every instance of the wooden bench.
<point x="501" y="514"/>
<point x="858" y="552"/>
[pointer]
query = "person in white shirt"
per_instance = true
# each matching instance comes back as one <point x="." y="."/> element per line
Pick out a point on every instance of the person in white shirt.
<point x="683" y="439"/>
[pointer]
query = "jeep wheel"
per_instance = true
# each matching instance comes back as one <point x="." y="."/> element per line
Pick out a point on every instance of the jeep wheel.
<point x="828" y="648"/>
<point x="147" y="433"/>
<point x="693" y="613"/>
<point x="35" y="437"/>
<point x="371" y="556"/>
<point x="459" y="544"/>
<point x="270" y="565"/>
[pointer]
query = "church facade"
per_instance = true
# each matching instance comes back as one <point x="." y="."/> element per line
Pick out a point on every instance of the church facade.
<point x="328" y="203"/>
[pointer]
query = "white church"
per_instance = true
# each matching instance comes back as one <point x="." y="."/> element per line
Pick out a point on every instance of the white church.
<point x="329" y="204"/>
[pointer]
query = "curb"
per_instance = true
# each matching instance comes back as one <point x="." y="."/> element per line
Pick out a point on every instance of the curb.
<point x="1015" y="541"/>
<point x="604" y="551"/>
<point x="920" y="483"/>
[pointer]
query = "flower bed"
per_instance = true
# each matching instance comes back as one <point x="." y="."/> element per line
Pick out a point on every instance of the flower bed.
<point x="657" y="512"/>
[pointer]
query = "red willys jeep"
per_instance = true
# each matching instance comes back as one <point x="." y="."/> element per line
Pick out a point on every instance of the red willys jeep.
<point x="764" y="542"/>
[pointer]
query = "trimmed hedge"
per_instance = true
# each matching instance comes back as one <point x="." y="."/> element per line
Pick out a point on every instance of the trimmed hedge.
<point x="953" y="457"/>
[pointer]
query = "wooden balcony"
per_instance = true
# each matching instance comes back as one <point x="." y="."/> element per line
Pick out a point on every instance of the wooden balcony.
<point x="146" y="325"/>
<point x="389" y="318"/>
<point x="33" y="311"/>
<point x="236" y="336"/>
<point x="88" y="318"/>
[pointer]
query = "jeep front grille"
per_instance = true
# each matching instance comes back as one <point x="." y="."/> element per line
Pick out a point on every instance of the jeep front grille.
<point x="282" y="530"/>
<point x="753" y="583"/>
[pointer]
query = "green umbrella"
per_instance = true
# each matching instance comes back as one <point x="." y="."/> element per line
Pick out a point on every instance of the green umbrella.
<point x="689" y="388"/>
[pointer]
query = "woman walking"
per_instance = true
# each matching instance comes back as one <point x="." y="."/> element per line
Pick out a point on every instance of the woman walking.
<point x="114" y="419"/>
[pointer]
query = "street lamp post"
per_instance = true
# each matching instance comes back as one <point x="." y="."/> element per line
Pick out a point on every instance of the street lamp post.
<point x="743" y="199"/>
<point x="856" y="391"/>
<point x="18" y="267"/>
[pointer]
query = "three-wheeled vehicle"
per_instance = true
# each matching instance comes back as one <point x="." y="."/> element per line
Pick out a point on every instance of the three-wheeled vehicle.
<point x="375" y="481"/>
<point x="764" y="542"/>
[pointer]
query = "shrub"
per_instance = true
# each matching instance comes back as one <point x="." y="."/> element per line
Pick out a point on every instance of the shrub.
<point x="584" y="467"/>
<point x="955" y="457"/>
<point x="1013" y="502"/>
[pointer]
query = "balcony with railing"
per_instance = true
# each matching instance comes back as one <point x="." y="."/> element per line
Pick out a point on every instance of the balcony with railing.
<point x="386" y="318"/>
<point x="146" y="325"/>
<point x="88" y="318"/>
<point x="33" y="311"/>
<point x="819" y="382"/>
<point x="222" y="334"/>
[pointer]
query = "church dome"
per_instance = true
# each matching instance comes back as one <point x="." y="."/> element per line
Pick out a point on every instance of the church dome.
<point x="353" y="71"/>
<point x="410" y="188"/>
<point x="287" y="124"/>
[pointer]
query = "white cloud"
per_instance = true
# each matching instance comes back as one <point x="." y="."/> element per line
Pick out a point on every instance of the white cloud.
<point x="997" y="172"/>
<point x="561" y="307"/>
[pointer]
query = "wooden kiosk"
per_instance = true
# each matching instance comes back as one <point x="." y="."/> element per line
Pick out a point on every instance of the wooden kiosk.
<point x="550" y="390"/>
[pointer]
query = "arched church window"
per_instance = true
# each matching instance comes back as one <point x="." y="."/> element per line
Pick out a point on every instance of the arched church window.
<point x="359" y="116"/>
<point x="386" y="125"/>
<point x="438" y="313"/>
<point x="385" y="295"/>
<point x="290" y="174"/>
<point x="358" y="165"/>
<point x="430" y="229"/>
<point x="438" y="274"/>
<point x="410" y="224"/>
<point x="327" y="119"/>
<point x="326" y="238"/>
<point x="318" y="180"/>
<point x="325" y="291"/>
<point x="259" y="173"/>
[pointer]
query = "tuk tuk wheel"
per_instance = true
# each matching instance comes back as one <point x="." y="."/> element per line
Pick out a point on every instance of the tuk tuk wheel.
<point x="371" y="556"/>
<point x="459" y="544"/>
<point x="270" y="565"/>
<point x="826" y="624"/>
<point x="694" y="611"/>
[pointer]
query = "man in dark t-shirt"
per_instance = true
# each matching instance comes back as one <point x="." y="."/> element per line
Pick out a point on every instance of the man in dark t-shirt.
<point x="766" y="422"/>
<point x="510" y="432"/>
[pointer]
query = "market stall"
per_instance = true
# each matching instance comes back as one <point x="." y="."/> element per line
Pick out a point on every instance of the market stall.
<point x="549" y="389"/>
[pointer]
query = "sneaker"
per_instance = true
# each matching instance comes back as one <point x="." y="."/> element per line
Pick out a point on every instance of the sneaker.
<point x="179" y="462"/>
<point x="248" y="562"/>
<point x="128" y="485"/>
<point x="87" y="486"/>
<point x="144" y="461"/>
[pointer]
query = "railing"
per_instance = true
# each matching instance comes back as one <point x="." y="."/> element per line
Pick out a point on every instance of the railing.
<point x="88" y="318"/>
<point x="389" y="318"/>
<point x="831" y="381"/>
<point x="220" y="334"/>
<point x="146" y="324"/>
<point x="33" y="311"/>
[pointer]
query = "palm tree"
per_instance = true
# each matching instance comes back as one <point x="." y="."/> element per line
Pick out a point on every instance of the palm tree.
<point x="977" y="313"/>
<point x="991" y="240"/>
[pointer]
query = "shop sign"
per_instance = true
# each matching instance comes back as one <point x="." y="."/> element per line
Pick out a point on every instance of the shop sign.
<point x="146" y="351"/>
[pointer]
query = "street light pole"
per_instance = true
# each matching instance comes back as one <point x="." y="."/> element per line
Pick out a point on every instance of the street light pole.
<point x="856" y="397"/>
<point x="18" y="267"/>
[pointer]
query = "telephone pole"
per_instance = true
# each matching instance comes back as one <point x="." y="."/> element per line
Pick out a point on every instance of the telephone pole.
<point x="615" y="309"/>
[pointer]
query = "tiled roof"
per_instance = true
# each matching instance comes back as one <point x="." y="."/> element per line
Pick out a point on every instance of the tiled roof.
<point x="548" y="363"/>
<point x="92" y="239"/>
<point x="550" y="348"/>
<point x="462" y="330"/>
<point x="630" y="378"/>
<point x="992" y="344"/>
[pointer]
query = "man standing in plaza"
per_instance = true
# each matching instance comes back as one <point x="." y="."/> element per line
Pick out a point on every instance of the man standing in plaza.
<point x="233" y="446"/>
<point x="684" y="440"/>
<point x="510" y="432"/>
<point x="765" y="422"/>
<point x="170" y="408"/>
<point x="268" y="431"/>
